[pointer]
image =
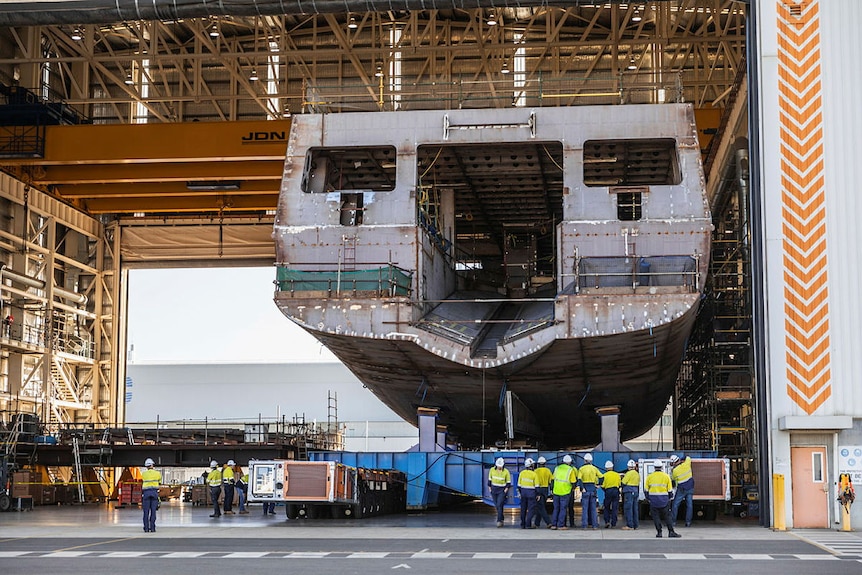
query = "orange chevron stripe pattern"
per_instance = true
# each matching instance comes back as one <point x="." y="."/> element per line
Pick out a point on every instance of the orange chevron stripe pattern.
<point x="806" y="291"/>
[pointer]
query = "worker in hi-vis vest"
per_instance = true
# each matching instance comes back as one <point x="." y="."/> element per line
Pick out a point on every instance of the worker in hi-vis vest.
<point x="499" y="480"/>
<point x="527" y="493"/>
<point x="631" y="491"/>
<point x="214" y="479"/>
<point x="659" y="490"/>
<point x="588" y="480"/>
<point x="682" y="478"/>
<point x="563" y="479"/>
<point x="543" y="482"/>
<point x="611" y="485"/>
<point x="152" y="479"/>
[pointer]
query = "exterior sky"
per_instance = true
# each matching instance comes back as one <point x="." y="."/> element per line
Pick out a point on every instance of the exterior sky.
<point x="212" y="315"/>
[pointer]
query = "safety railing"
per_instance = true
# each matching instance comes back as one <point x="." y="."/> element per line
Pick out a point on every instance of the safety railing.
<point x="632" y="272"/>
<point x="383" y="281"/>
<point x="512" y="90"/>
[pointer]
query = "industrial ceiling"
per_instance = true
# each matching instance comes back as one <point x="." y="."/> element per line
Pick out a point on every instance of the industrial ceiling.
<point x="194" y="75"/>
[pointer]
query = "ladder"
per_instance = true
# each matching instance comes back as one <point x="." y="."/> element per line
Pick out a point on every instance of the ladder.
<point x="79" y="475"/>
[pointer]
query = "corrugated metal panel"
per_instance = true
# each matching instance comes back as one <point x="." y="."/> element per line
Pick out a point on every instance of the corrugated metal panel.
<point x="842" y="128"/>
<point x="306" y="481"/>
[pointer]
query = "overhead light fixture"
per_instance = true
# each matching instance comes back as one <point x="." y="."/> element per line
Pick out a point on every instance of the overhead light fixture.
<point x="253" y="77"/>
<point x="129" y="80"/>
<point x="211" y="186"/>
<point x="77" y="35"/>
<point x="352" y="23"/>
<point x="492" y="20"/>
<point x="214" y="33"/>
<point x="505" y="69"/>
<point x="632" y="64"/>
<point x="636" y="17"/>
<point x="379" y="72"/>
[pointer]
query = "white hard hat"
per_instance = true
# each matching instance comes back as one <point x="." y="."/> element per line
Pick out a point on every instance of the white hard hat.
<point x="500" y="462"/>
<point x="674" y="458"/>
<point x="588" y="457"/>
<point x="528" y="462"/>
<point x="213" y="464"/>
<point x="149" y="462"/>
<point x="659" y="464"/>
<point x="231" y="462"/>
<point x="567" y="459"/>
<point x="542" y="460"/>
<point x="631" y="464"/>
<point x="609" y="464"/>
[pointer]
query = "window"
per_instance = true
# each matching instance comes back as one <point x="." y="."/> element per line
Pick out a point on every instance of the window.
<point x="359" y="169"/>
<point x="629" y="206"/>
<point x="643" y="162"/>
<point x="817" y="467"/>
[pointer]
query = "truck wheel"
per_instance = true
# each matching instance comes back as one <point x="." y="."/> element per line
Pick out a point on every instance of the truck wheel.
<point x="357" y="511"/>
<point x="340" y="512"/>
<point x="291" y="510"/>
<point x="5" y="502"/>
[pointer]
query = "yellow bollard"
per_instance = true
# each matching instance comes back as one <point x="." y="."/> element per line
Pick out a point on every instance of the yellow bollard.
<point x="780" y="522"/>
<point x="846" y="496"/>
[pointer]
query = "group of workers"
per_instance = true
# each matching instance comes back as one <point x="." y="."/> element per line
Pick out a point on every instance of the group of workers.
<point x="536" y="483"/>
<point x="227" y="481"/>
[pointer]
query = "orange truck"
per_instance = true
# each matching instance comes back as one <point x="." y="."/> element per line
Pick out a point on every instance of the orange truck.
<point x="326" y="488"/>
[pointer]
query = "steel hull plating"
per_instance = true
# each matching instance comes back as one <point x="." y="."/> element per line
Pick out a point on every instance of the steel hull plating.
<point x="516" y="269"/>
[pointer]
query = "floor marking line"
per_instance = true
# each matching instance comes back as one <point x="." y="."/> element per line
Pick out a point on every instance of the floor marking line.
<point x="97" y="543"/>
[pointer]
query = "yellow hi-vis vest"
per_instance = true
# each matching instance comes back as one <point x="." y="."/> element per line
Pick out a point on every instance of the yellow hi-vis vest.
<point x="543" y="476"/>
<point x="657" y="483"/>
<point x="227" y="475"/>
<point x="611" y="479"/>
<point x="527" y="479"/>
<point x="214" y="478"/>
<point x="632" y="478"/>
<point x="564" y="476"/>
<point x="499" y="477"/>
<point x="682" y="472"/>
<point x="152" y="479"/>
<point x="589" y="473"/>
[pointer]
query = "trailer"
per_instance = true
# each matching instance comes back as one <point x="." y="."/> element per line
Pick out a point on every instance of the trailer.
<point x="711" y="484"/>
<point x="326" y="488"/>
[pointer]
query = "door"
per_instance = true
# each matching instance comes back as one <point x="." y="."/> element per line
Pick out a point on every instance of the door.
<point x="810" y="487"/>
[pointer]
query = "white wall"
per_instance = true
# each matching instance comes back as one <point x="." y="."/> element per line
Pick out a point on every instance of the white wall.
<point x="246" y="391"/>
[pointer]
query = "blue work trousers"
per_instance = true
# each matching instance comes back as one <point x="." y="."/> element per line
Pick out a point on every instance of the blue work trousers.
<point x="240" y="491"/>
<point x="630" y="508"/>
<point x="660" y="515"/>
<point x="498" y="494"/>
<point x="228" y="496"/>
<point x="528" y="507"/>
<point x="561" y="507"/>
<point x="150" y="502"/>
<point x="688" y="496"/>
<point x="612" y="505"/>
<point x="215" y="491"/>
<point x="541" y="509"/>
<point x="589" y="501"/>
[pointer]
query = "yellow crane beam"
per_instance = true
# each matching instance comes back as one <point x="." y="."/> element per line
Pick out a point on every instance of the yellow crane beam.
<point x="201" y="167"/>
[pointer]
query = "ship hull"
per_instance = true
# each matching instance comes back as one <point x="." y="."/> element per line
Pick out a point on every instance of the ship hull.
<point x="518" y="270"/>
<point x="562" y="385"/>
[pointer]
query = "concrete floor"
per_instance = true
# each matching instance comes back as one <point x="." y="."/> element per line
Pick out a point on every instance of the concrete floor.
<point x="103" y="538"/>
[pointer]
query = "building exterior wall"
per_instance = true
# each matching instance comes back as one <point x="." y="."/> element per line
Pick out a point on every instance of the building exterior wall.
<point x="248" y="391"/>
<point x="809" y="215"/>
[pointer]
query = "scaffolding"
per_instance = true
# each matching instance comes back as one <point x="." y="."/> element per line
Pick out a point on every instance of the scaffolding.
<point x="714" y="406"/>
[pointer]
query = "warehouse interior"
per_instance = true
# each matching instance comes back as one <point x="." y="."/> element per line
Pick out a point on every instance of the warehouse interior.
<point x="159" y="142"/>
